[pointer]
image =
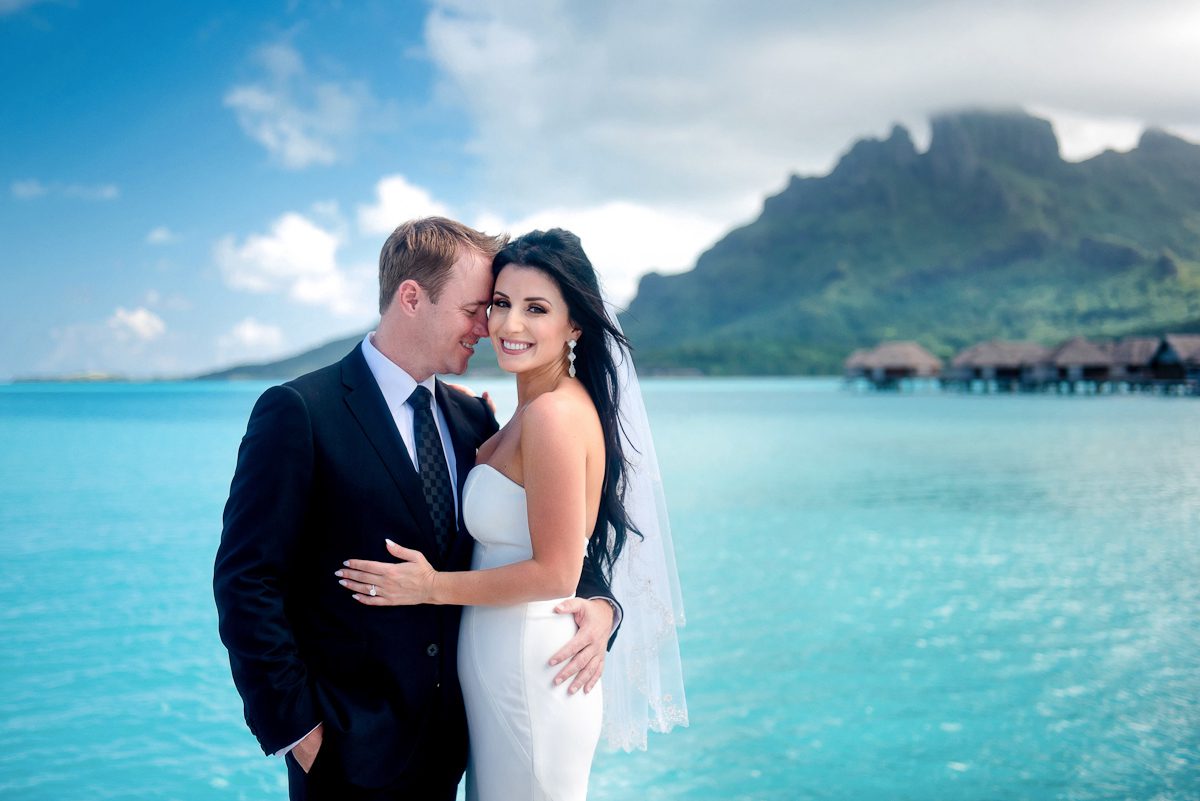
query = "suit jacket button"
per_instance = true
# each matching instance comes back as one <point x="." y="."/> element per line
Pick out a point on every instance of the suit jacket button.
<point x="432" y="650"/>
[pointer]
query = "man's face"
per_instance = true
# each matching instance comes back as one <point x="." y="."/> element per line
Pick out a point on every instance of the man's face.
<point x="459" y="318"/>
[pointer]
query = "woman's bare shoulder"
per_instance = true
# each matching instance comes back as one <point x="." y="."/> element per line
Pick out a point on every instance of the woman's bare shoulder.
<point x="561" y="419"/>
<point x="562" y="406"/>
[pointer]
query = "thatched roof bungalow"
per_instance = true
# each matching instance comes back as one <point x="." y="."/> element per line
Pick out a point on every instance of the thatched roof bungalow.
<point x="1080" y="360"/>
<point x="1131" y="357"/>
<point x="855" y="365"/>
<point x="1177" y="357"/>
<point x="998" y="360"/>
<point x="890" y="362"/>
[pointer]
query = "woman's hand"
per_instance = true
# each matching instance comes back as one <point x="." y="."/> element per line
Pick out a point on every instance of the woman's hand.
<point x="404" y="583"/>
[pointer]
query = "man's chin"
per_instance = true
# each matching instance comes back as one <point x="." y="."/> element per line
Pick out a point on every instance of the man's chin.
<point x="459" y="366"/>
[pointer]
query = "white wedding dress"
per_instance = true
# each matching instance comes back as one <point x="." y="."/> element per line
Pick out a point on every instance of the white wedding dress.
<point x="529" y="739"/>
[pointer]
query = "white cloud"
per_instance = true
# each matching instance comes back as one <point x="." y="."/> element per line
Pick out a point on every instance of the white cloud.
<point x="29" y="189"/>
<point x="139" y="323"/>
<point x="32" y="188"/>
<point x="162" y="235"/>
<point x="297" y="258"/>
<point x="303" y="122"/>
<point x="396" y="200"/>
<point x="625" y="240"/>
<point x="251" y="338"/>
<point x="700" y="106"/>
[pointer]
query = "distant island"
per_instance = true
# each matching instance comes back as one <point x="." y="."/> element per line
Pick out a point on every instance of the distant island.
<point x="73" y="378"/>
<point x="988" y="234"/>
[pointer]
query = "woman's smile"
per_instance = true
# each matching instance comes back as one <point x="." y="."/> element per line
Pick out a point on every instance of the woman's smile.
<point x="514" y="346"/>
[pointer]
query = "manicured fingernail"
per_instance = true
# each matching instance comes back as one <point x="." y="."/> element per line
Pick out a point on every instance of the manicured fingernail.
<point x="389" y="542"/>
<point x="553" y="661"/>
<point x="346" y="563"/>
<point x="342" y="582"/>
<point x="355" y="597"/>
<point x="558" y="681"/>
<point x="337" y="573"/>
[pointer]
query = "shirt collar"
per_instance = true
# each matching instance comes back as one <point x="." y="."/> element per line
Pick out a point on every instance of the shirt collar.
<point x="396" y="384"/>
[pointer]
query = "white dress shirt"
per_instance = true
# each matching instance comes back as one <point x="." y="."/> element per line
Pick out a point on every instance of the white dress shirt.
<point x="397" y="386"/>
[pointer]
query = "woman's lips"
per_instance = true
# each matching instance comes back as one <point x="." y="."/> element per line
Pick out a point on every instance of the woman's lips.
<point x="514" y="347"/>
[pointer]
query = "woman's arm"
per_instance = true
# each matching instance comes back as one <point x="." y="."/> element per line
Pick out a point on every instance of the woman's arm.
<point x="554" y="462"/>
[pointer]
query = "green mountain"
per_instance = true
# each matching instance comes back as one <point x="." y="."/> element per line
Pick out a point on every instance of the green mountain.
<point x="988" y="234"/>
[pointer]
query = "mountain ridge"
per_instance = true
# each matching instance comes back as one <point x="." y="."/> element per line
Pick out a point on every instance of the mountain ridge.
<point x="987" y="234"/>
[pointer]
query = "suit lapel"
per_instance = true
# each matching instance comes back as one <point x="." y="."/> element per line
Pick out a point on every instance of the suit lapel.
<point x="366" y="403"/>
<point x="462" y="436"/>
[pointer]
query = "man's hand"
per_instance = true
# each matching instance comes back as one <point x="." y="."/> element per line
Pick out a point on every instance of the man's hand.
<point x="306" y="750"/>
<point x="470" y="393"/>
<point x="585" y="651"/>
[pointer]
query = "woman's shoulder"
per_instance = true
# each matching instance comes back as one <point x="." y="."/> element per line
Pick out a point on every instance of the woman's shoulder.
<point x="563" y="410"/>
<point x="560" y="425"/>
<point x="564" y="407"/>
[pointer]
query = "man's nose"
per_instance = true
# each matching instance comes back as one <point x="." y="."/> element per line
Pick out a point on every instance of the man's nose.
<point x="480" y="328"/>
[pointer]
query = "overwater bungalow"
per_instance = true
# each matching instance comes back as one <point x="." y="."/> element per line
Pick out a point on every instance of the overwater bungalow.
<point x="1131" y="360"/>
<point x="855" y="365"/>
<point x="1169" y="364"/>
<point x="997" y="364"/>
<point x="890" y="363"/>
<point x="1081" y="362"/>
<point x="1177" y="359"/>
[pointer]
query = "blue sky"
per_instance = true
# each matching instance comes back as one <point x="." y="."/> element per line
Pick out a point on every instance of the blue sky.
<point x="187" y="185"/>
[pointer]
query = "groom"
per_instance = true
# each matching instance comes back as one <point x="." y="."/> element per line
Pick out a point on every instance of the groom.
<point x="365" y="701"/>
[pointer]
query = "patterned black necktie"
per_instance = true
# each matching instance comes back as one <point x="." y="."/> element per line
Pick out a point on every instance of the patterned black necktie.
<point x="435" y="476"/>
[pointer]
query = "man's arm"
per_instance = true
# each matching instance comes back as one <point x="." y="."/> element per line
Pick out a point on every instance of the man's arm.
<point x="263" y="521"/>
<point x="597" y="616"/>
<point x="593" y="586"/>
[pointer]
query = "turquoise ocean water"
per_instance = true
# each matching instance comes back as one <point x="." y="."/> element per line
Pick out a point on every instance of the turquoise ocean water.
<point x="889" y="596"/>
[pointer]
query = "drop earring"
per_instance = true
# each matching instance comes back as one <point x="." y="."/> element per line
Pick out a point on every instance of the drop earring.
<point x="571" y="358"/>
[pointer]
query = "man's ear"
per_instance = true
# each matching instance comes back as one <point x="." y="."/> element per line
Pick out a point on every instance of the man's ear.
<point x="409" y="296"/>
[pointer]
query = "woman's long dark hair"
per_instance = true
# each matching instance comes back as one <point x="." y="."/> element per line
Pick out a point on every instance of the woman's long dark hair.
<point x="559" y="254"/>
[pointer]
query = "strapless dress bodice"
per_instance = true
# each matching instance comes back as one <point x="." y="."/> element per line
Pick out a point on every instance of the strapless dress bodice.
<point x="496" y="514"/>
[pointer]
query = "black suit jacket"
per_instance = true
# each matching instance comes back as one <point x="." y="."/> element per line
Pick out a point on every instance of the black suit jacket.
<point x="323" y="476"/>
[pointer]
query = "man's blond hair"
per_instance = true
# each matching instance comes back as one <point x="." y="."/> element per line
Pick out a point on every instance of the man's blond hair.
<point x="425" y="250"/>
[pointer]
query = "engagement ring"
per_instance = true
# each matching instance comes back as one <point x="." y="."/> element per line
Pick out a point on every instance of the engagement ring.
<point x="372" y="590"/>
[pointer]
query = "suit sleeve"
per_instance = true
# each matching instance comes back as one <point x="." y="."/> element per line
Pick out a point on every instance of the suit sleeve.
<point x="593" y="585"/>
<point x="263" y="525"/>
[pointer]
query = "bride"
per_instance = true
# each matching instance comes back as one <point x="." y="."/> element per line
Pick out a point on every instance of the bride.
<point x="572" y="472"/>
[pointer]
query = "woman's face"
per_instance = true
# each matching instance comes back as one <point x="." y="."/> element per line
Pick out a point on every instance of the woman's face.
<point x="528" y="323"/>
